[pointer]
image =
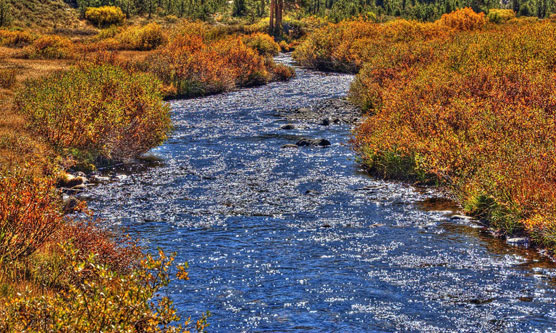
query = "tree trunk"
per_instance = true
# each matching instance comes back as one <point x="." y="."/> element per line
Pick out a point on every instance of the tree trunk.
<point x="280" y="10"/>
<point x="272" y="11"/>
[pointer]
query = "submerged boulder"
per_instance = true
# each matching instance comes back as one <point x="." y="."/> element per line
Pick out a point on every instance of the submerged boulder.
<point x="313" y="142"/>
<point x="287" y="127"/>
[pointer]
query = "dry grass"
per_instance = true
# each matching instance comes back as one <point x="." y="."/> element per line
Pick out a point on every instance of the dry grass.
<point x="17" y="145"/>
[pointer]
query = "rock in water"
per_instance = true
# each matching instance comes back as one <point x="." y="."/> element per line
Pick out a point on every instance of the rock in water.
<point x="69" y="181"/>
<point x="313" y="142"/>
<point x="287" y="127"/>
<point x="519" y="241"/>
<point x="70" y="203"/>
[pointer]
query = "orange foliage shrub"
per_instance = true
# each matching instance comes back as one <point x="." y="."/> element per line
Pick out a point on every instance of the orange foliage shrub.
<point x="475" y="111"/>
<point x="282" y="72"/>
<point x="247" y="65"/>
<point x="464" y="19"/>
<point x="50" y="47"/>
<point x="199" y="61"/>
<point x="457" y="102"/>
<point x="348" y="45"/>
<point x="30" y="213"/>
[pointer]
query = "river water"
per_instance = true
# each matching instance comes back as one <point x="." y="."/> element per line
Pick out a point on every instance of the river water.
<point x="302" y="239"/>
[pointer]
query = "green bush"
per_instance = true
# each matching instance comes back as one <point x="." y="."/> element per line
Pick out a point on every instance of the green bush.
<point x="105" y="16"/>
<point x="97" y="113"/>
<point x="262" y="43"/>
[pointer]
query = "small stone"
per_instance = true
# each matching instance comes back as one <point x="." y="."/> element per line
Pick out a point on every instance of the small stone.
<point x="70" y="203"/>
<point x="79" y="187"/>
<point x="69" y="181"/>
<point x="323" y="143"/>
<point x="289" y="145"/>
<point x="99" y="179"/>
<point x="287" y="127"/>
<point x="325" y="122"/>
<point x="519" y="241"/>
<point x="458" y="217"/>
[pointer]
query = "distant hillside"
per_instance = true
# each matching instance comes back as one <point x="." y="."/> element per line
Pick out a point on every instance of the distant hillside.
<point x="43" y="13"/>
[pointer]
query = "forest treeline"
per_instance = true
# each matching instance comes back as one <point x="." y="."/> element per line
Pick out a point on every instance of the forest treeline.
<point x="336" y="10"/>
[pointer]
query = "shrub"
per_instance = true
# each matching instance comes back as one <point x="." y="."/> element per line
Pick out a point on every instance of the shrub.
<point x="193" y="64"/>
<point x="464" y="19"/>
<point x="105" y="16"/>
<point x="97" y="112"/>
<point x="7" y="78"/>
<point x="30" y="213"/>
<point x="144" y="38"/>
<point x="262" y="43"/>
<point x="49" y="47"/>
<point x="348" y="45"/>
<point x="282" y="72"/>
<point x="474" y="110"/>
<point x="247" y="65"/>
<point x="171" y="18"/>
<point x="109" y="32"/>
<point x="500" y="15"/>
<point x="101" y="300"/>
<point x="15" y="38"/>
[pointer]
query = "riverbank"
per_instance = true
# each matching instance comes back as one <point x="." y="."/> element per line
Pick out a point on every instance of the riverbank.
<point x="79" y="102"/>
<point x="463" y="103"/>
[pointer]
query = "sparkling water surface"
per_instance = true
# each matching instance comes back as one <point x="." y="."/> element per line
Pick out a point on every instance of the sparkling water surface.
<point x="302" y="239"/>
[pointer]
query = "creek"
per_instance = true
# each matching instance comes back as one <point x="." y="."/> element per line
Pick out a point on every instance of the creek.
<point x="286" y="239"/>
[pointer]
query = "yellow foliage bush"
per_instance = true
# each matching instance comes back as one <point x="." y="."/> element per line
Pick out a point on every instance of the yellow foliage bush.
<point x="105" y="16"/>
<point x="500" y="15"/>
<point x="96" y="113"/>
<point x="262" y="43"/>
<point x="348" y="45"/>
<point x="148" y="37"/>
<point x="15" y="38"/>
<point x="50" y="47"/>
